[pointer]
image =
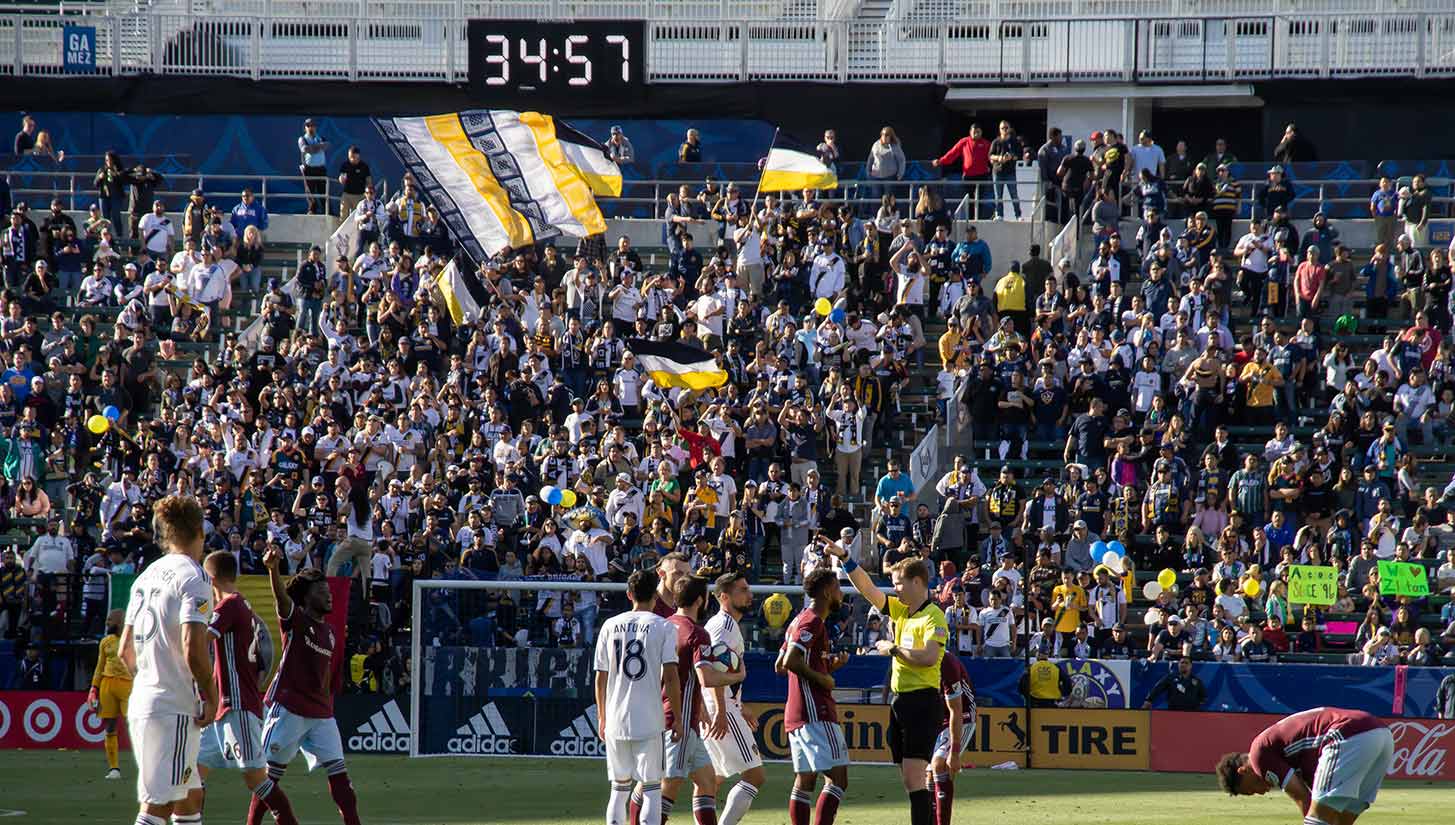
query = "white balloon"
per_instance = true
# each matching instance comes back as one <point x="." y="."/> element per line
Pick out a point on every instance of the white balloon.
<point x="1152" y="589"/>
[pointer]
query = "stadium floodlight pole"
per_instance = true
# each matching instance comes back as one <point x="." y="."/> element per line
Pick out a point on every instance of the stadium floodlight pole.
<point x="758" y="190"/>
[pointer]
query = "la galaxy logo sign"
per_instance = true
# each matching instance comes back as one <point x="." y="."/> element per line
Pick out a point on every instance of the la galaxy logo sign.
<point x="1097" y="684"/>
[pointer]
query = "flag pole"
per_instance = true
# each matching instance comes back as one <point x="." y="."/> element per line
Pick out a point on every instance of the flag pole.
<point x="758" y="190"/>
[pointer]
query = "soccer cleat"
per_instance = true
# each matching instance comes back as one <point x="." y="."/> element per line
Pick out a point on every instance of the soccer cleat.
<point x="114" y="773"/>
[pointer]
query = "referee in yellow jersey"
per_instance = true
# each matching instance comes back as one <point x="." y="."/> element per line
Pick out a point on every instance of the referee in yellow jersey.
<point x="111" y="689"/>
<point x="920" y="634"/>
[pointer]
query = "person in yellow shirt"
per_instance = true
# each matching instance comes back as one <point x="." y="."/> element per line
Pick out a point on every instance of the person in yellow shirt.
<point x="1010" y="298"/>
<point x="915" y="651"/>
<point x="1261" y="381"/>
<point x="111" y="689"/>
<point x="1068" y="602"/>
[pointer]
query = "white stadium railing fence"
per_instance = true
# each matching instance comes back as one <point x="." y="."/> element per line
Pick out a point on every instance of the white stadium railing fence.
<point x="729" y="42"/>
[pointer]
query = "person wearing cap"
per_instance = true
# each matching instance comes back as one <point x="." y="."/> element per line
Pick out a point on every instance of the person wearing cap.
<point x="313" y="166"/>
<point x="157" y="232"/>
<point x="619" y="147"/>
<point x="625" y="498"/>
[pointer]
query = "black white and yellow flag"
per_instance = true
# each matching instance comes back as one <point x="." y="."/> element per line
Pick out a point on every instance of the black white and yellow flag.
<point x="463" y="292"/>
<point x="670" y="364"/>
<point x="505" y="179"/>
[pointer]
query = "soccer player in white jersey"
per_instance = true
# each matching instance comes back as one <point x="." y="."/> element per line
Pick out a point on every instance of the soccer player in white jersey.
<point x="636" y="666"/>
<point x="166" y="644"/>
<point x="736" y="753"/>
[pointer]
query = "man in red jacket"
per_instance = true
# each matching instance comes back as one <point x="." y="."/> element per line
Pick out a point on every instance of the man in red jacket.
<point x="973" y="153"/>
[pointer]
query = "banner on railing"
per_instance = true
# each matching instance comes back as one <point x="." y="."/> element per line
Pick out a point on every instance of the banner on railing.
<point x="78" y="46"/>
<point x="1117" y="740"/>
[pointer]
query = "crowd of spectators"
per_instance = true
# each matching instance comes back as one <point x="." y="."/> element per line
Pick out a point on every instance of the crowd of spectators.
<point x="359" y="430"/>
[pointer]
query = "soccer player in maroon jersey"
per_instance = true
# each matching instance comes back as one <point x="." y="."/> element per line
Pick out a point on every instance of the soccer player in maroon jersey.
<point x="300" y="700"/>
<point x="815" y="739"/>
<point x="1330" y="761"/>
<point x="235" y="739"/>
<point x="687" y="756"/>
<point x="671" y="569"/>
<point x="955" y="736"/>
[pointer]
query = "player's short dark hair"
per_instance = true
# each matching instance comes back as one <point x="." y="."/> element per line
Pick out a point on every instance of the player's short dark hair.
<point x="689" y="590"/>
<point x="641" y="585"/>
<point x="1227" y="771"/>
<point x="674" y="556"/>
<point x="913" y="569"/>
<point x="818" y="581"/>
<point x="299" y="585"/>
<point x="221" y="565"/>
<point x="177" y="520"/>
<point x="727" y="580"/>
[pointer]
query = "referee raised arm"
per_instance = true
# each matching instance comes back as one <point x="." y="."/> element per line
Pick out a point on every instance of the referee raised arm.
<point x="920" y="633"/>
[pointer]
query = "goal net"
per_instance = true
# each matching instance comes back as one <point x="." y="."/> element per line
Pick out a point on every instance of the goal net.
<point x="504" y="668"/>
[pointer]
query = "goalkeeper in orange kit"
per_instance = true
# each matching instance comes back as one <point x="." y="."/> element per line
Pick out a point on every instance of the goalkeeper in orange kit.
<point x="110" y="689"/>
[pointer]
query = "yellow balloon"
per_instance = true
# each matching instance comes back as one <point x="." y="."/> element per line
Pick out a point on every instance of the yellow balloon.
<point x="823" y="306"/>
<point x="1252" y="587"/>
<point x="568" y="498"/>
<point x="98" y="424"/>
<point x="1167" y="578"/>
<point x="776" y="609"/>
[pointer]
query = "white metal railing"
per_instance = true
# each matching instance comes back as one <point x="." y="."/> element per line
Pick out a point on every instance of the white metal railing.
<point x="751" y="40"/>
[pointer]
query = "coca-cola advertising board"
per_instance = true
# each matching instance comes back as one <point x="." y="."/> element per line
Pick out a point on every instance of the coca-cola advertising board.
<point x="50" y="720"/>
<point x="1423" y="748"/>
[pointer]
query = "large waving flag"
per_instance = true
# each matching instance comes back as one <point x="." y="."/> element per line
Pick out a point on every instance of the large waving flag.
<point x="671" y="364"/>
<point x="789" y="170"/>
<point x="504" y="179"/>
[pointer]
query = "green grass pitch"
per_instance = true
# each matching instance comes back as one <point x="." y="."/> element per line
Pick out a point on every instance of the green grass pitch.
<point x="63" y="788"/>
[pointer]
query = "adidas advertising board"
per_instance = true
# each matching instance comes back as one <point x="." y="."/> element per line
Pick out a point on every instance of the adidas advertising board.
<point x="387" y="731"/>
<point x="580" y="738"/>
<point x="484" y="733"/>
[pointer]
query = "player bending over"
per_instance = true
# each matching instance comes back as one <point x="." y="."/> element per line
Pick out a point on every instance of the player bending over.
<point x="235" y="739"/>
<point x="300" y="700"/>
<point x="111" y="689"/>
<point x="815" y="740"/>
<point x="164" y="645"/>
<point x="736" y="753"/>
<point x="1330" y="761"/>
<point x="635" y="663"/>
<point x="955" y="735"/>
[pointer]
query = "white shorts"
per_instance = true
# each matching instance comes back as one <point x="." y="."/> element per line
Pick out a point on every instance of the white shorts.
<point x="685" y="756"/>
<point x="737" y="752"/>
<point x="942" y="744"/>
<point x="234" y="741"/>
<point x="285" y="733"/>
<point x="1350" y="771"/>
<point x="641" y="760"/>
<point x="165" y="748"/>
<point x="817" y="747"/>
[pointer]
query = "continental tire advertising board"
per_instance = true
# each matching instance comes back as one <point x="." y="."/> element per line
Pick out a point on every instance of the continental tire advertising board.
<point x="1000" y="734"/>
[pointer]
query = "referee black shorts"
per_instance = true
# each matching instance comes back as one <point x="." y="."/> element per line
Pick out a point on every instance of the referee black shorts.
<point x="915" y="720"/>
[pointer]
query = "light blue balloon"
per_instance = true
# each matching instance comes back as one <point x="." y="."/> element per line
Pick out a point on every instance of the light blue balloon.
<point x="1117" y="547"/>
<point x="837" y="316"/>
<point x="111" y="413"/>
<point x="1098" y="549"/>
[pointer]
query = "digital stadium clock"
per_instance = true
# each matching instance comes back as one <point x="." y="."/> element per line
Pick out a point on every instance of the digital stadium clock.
<point x="587" y="59"/>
